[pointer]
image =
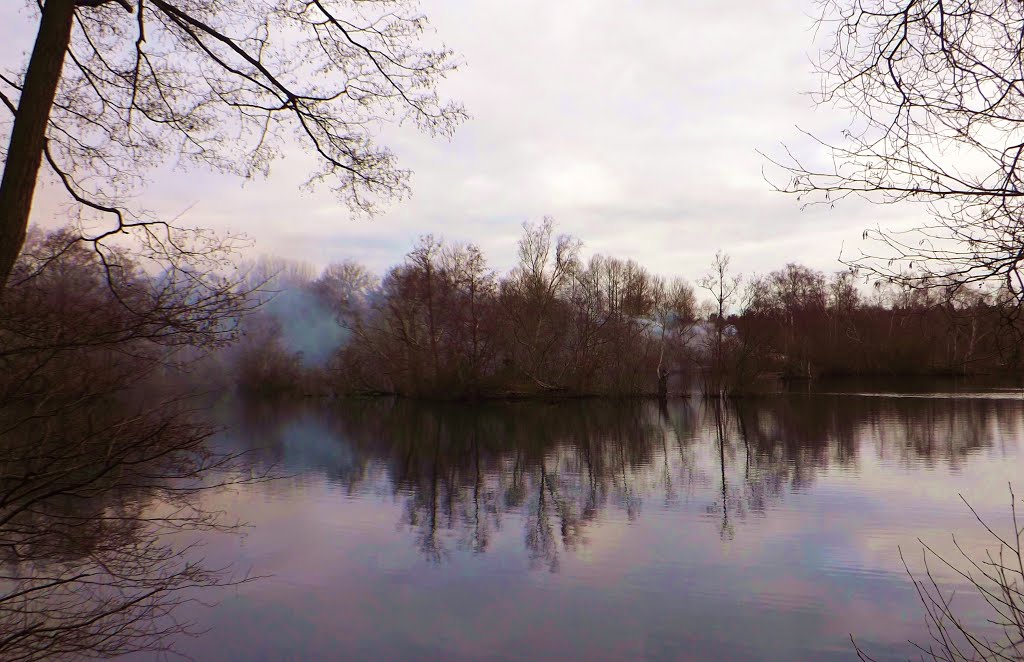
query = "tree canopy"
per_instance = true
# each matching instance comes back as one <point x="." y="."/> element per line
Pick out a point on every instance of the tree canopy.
<point x="115" y="88"/>
<point x="934" y="89"/>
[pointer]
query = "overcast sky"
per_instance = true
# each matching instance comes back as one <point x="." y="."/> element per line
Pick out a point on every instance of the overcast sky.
<point x="635" y="124"/>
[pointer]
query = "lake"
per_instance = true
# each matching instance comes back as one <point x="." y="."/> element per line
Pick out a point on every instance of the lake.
<point x="761" y="529"/>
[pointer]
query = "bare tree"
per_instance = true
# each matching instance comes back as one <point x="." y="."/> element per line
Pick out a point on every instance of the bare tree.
<point x="94" y="498"/>
<point x="724" y="288"/>
<point x="997" y="579"/>
<point x="116" y="87"/>
<point x="935" y="92"/>
<point x="471" y="314"/>
<point x="794" y="298"/>
<point x="99" y="467"/>
<point x="674" y="310"/>
<point x="345" y="287"/>
<point x="530" y="296"/>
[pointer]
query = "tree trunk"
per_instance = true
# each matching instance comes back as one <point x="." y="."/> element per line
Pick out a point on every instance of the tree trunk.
<point x="28" y="135"/>
<point x="662" y="372"/>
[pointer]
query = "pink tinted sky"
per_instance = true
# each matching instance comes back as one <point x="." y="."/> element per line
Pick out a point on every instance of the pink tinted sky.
<point x="635" y="125"/>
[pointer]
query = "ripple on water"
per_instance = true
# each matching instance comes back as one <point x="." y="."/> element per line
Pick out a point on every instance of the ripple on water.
<point x="767" y="529"/>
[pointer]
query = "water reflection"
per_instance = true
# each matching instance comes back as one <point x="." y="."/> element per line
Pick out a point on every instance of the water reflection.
<point x="558" y="468"/>
<point x="99" y="514"/>
<point x="765" y="529"/>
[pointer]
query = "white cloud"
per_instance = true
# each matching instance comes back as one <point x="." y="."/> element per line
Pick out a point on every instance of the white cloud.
<point x="634" y="123"/>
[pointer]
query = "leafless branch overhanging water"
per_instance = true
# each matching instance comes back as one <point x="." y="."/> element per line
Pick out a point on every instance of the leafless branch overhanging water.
<point x="995" y="578"/>
<point x="106" y="472"/>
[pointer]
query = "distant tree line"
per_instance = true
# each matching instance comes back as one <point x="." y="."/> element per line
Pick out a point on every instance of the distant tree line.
<point x="442" y="324"/>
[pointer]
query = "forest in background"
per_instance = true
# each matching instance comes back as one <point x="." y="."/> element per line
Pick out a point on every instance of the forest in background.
<point x="442" y="324"/>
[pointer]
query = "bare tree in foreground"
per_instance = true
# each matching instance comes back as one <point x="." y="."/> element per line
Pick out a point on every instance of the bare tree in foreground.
<point x="934" y="90"/>
<point x="115" y="88"/>
<point x="997" y="579"/>
<point x="102" y="472"/>
<point x="94" y="525"/>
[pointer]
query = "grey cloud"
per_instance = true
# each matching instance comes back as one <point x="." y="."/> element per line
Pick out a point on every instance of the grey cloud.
<point x="635" y="124"/>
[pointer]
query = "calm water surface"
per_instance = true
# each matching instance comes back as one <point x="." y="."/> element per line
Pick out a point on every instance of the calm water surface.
<point x="767" y="529"/>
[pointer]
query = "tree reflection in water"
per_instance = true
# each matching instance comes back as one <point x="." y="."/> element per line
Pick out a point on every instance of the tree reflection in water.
<point x="461" y="471"/>
<point x="98" y="502"/>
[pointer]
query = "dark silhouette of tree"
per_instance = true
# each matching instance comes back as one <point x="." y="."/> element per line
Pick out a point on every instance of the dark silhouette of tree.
<point x="100" y="465"/>
<point x="724" y="289"/>
<point x="674" y="311"/>
<point x="443" y="325"/>
<point x="92" y="507"/>
<point x="116" y="87"/>
<point x="934" y="92"/>
<point x="530" y="298"/>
